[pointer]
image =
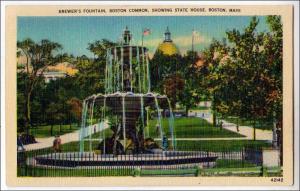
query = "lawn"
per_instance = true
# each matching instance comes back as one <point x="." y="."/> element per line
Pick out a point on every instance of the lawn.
<point x="265" y="125"/>
<point x="226" y="163"/>
<point x="45" y="131"/>
<point x="219" y="145"/>
<point x="191" y="127"/>
<point x="185" y="127"/>
<point x="54" y="172"/>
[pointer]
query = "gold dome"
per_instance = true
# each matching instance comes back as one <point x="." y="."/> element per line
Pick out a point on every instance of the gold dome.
<point x="168" y="48"/>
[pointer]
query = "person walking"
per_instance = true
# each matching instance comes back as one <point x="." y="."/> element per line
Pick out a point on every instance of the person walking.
<point x="57" y="144"/>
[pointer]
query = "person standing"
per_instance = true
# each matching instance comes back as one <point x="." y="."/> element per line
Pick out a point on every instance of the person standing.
<point x="165" y="143"/>
<point x="20" y="143"/>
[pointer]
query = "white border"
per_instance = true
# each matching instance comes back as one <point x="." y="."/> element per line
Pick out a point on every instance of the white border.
<point x="296" y="89"/>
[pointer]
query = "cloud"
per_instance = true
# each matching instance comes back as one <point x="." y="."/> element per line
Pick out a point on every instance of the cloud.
<point x="152" y="42"/>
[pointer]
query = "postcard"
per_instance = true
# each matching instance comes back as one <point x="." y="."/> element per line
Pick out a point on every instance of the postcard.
<point x="149" y="95"/>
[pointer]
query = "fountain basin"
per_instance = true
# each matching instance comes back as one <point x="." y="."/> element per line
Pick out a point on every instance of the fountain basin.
<point x="165" y="158"/>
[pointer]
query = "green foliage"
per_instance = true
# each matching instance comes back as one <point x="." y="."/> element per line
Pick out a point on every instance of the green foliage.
<point x="244" y="78"/>
<point x="91" y="75"/>
<point x="161" y="67"/>
<point x="59" y="101"/>
<point x="38" y="57"/>
<point x="176" y="76"/>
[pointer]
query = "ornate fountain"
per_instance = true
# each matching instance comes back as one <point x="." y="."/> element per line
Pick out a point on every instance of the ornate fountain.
<point x="121" y="121"/>
<point x="127" y="100"/>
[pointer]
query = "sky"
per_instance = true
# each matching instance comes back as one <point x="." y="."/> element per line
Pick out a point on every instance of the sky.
<point x="74" y="33"/>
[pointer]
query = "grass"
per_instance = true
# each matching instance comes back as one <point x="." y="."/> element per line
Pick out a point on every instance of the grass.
<point x="264" y="125"/>
<point x="185" y="127"/>
<point x="191" y="127"/>
<point x="108" y="133"/>
<point x="51" y="172"/>
<point x="45" y="131"/>
<point x="29" y="171"/>
<point x="225" y="163"/>
<point x="220" y="145"/>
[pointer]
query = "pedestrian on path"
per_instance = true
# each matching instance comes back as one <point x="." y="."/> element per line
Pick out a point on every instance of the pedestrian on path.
<point x="57" y="144"/>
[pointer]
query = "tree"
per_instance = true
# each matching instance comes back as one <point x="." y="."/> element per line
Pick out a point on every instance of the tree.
<point x="245" y="78"/>
<point x="89" y="78"/>
<point x="38" y="57"/>
<point x="76" y="108"/>
<point x="173" y="88"/>
<point x="273" y="55"/>
<point x="161" y="67"/>
<point x="55" y="114"/>
<point x="192" y="91"/>
<point x="210" y="77"/>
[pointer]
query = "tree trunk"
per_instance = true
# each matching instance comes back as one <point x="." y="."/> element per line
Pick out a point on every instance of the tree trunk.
<point x="187" y="111"/>
<point x="214" y="119"/>
<point x="27" y="111"/>
<point x="237" y="124"/>
<point x="254" y="130"/>
<point x="51" y="131"/>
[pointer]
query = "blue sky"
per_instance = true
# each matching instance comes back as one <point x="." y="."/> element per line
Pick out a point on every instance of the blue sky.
<point x="74" y="33"/>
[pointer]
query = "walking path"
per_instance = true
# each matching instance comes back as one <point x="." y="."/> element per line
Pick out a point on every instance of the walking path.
<point x="66" y="138"/>
<point x="247" y="131"/>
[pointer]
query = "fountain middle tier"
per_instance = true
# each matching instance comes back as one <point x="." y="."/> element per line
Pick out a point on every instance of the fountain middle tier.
<point x="130" y="113"/>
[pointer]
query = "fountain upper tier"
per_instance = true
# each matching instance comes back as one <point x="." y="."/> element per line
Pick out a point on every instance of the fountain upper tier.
<point x="127" y="68"/>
